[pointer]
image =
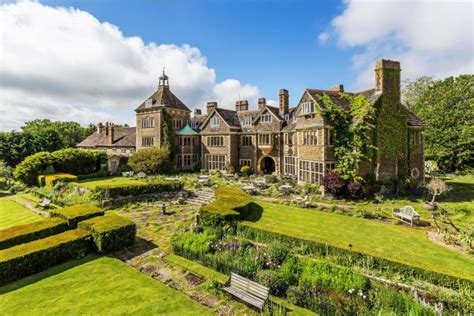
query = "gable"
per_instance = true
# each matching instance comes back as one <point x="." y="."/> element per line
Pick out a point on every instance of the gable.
<point x="207" y="122"/>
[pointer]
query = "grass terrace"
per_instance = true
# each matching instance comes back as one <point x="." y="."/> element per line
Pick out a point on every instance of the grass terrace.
<point x="392" y="242"/>
<point x="93" y="183"/>
<point x="13" y="214"/>
<point x="94" y="286"/>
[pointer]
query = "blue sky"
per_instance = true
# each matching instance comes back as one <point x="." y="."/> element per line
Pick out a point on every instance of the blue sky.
<point x="93" y="61"/>
<point x="272" y="44"/>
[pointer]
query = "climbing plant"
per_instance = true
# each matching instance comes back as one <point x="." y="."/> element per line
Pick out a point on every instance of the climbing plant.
<point x="353" y="127"/>
<point x="168" y="138"/>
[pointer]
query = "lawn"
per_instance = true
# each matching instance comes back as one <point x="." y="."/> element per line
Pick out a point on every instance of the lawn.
<point x="13" y="214"/>
<point x="92" y="183"/>
<point x="393" y="242"/>
<point x="94" y="286"/>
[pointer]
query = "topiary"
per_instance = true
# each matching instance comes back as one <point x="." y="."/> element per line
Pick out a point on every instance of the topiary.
<point x="245" y="170"/>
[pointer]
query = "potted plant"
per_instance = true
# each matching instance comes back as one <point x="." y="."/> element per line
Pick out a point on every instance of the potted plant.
<point x="435" y="187"/>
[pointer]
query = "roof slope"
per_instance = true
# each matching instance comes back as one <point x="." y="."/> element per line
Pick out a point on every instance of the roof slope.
<point x="163" y="96"/>
<point x="123" y="137"/>
<point x="186" y="131"/>
<point x="229" y="116"/>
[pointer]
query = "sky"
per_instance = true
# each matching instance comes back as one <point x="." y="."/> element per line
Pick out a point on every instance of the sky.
<point x="95" y="61"/>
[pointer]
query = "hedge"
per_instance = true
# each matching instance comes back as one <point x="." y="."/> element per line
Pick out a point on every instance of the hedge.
<point x="26" y="259"/>
<point x="229" y="205"/>
<point x="70" y="160"/>
<point x="52" y="179"/>
<point x="115" y="190"/>
<point x="110" y="232"/>
<point x="25" y="233"/>
<point x="350" y="258"/>
<point x="76" y="213"/>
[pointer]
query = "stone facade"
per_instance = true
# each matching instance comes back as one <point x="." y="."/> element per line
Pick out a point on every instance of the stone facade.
<point x="296" y="142"/>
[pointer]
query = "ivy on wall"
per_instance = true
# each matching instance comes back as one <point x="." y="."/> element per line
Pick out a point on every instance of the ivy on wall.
<point x="353" y="128"/>
<point x="168" y="138"/>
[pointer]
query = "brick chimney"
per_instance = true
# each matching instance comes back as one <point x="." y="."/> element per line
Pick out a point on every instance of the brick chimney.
<point x="100" y="128"/>
<point x="262" y="102"/>
<point x="197" y="112"/>
<point x="210" y="106"/>
<point x="242" y="105"/>
<point x="387" y="78"/>
<point x="109" y="132"/>
<point x="284" y="102"/>
<point x="337" y="88"/>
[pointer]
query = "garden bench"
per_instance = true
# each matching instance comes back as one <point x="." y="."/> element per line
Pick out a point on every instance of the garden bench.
<point x="406" y="214"/>
<point x="44" y="203"/>
<point x="246" y="290"/>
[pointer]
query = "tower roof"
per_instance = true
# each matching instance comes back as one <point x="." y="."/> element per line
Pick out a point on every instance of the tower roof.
<point x="186" y="131"/>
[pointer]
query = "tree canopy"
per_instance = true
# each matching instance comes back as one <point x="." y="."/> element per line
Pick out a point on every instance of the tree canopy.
<point x="447" y="107"/>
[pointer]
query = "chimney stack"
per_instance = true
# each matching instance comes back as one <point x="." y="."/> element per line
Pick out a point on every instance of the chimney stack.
<point x="284" y="102"/>
<point x="210" y="106"/>
<point x="242" y="105"/>
<point x="387" y="78"/>
<point x="337" y="88"/>
<point x="100" y="128"/>
<point x="197" y="112"/>
<point x="109" y="132"/>
<point x="262" y="102"/>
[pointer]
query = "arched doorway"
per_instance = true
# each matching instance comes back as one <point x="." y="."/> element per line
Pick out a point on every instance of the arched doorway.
<point x="267" y="165"/>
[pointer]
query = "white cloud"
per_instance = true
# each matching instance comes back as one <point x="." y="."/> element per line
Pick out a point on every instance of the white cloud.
<point x="64" y="64"/>
<point x="428" y="37"/>
<point x="323" y="37"/>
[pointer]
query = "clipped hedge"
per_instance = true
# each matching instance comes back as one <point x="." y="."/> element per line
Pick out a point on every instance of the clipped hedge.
<point x="26" y="259"/>
<point x="230" y="205"/>
<point x="111" y="191"/>
<point x="76" y="213"/>
<point x="70" y="160"/>
<point x="25" y="233"/>
<point x="52" y="179"/>
<point x="110" y="232"/>
<point x="350" y="258"/>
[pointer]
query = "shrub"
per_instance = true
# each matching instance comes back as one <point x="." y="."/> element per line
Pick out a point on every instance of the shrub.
<point x="70" y="160"/>
<point x="196" y="244"/>
<point x="103" y="172"/>
<point x="354" y="189"/>
<point x="25" y="233"/>
<point x="3" y="183"/>
<point x="110" y="232"/>
<point x="52" y="179"/>
<point x="334" y="184"/>
<point x="229" y="205"/>
<point x="278" y="251"/>
<point x="75" y="214"/>
<point x="274" y="281"/>
<point x="26" y="259"/>
<point x="152" y="160"/>
<point x="136" y="188"/>
<point x="245" y="170"/>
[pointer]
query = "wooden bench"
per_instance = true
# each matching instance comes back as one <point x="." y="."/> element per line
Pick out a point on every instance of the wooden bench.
<point x="44" y="203"/>
<point x="250" y="292"/>
<point x="406" y="214"/>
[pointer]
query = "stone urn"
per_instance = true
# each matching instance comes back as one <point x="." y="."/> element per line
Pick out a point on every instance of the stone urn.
<point x="430" y="206"/>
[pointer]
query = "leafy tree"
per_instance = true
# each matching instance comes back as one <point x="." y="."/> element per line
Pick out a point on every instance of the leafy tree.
<point x="447" y="107"/>
<point x="413" y="89"/>
<point x="152" y="160"/>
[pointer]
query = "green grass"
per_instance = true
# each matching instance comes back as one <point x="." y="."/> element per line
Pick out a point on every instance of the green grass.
<point x="393" y="242"/>
<point x="94" y="286"/>
<point x="92" y="183"/>
<point x="13" y="214"/>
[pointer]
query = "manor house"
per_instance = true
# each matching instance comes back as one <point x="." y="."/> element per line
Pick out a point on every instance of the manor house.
<point x="292" y="141"/>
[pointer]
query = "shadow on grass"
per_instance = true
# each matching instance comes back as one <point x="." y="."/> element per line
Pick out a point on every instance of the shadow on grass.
<point x="138" y="248"/>
<point x="461" y="192"/>
<point x="45" y="274"/>
<point x="255" y="213"/>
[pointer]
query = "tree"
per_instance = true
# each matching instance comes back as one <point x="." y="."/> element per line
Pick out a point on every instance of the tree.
<point x="152" y="160"/>
<point x="447" y="107"/>
<point x="436" y="187"/>
<point x="413" y="89"/>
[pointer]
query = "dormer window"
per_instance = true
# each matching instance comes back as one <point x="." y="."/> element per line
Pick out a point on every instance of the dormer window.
<point x="307" y="108"/>
<point x="266" y="118"/>
<point x="215" y="121"/>
<point x="148" y="103"/>
<point x="246" y="121"/>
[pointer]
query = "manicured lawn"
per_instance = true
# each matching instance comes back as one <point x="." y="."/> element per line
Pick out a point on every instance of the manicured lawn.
<point x="92" y="183"/>
<point x="393" y="242"/>
<point x="94" y="286"/>
<point x="12" y="214"/>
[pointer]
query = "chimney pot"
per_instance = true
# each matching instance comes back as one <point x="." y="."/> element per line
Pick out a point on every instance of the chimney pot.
<point x="262" y="102"/>
<point x="242" y="105"/>
<point x="210" y="106"/>
<point x="197" y="112"/>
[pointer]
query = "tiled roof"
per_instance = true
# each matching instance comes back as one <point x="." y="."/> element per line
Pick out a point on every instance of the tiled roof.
<point x="413" y="120"/>
<point x="230" y="116"/>
<point x="164" y="96"/>
<point x="334" y="95"/>
<point x="123" y="137"/>
<point x="275" y="110"/>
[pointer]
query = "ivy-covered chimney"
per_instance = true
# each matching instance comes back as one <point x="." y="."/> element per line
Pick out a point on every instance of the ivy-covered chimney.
<point x="387" y="78"/>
